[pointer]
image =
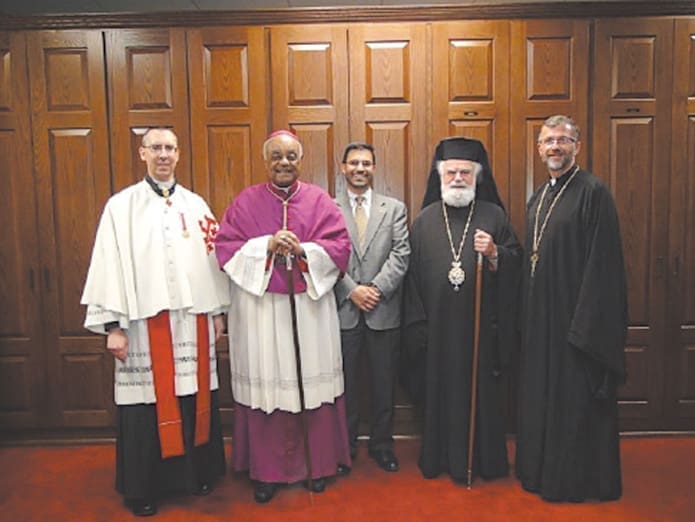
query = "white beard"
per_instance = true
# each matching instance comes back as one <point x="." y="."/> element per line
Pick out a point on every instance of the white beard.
<point x="458" y="196"/>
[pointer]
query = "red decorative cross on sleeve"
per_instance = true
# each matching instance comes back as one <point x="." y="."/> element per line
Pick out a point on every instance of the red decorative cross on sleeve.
<point x="209" y="227"/>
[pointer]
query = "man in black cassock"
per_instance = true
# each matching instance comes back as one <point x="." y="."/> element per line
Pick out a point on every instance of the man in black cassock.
<point x="439" y="307"/>
<point x="573" y="331"/>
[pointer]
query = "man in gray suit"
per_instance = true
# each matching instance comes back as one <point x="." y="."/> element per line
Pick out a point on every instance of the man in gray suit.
<point x="369" y="298"/>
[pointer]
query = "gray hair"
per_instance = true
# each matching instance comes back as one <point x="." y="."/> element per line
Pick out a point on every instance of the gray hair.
<point x="559" y="120"/>
<point x="289" y="135"/>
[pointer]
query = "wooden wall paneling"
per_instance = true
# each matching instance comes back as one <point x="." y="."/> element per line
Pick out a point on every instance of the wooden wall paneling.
<point x="388" y="109"/>
<point x="228" y="92"/>
<point x="22" y="362"/>
<point x="549" y="75"/>
<point x="388" y="105"/>
<point x="631" y="152"/>
<point x="309" y="94"/>
<point x="147" y="87"/>
<point x="680" y="391"/>
<point x="470" y="89"/>
<point x="68" y="104"/>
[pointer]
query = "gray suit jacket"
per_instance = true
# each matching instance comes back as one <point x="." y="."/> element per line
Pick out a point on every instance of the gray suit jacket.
<point x="383" y="262"/>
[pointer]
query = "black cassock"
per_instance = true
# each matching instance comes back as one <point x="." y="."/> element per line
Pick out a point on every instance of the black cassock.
<point x="573" y="335"/>
<point x="438" y="339"/>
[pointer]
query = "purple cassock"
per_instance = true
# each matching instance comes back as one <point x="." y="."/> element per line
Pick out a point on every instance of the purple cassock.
<point x="268" y="441"/>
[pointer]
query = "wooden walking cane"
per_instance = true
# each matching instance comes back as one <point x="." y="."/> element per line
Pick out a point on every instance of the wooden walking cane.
<point x="474" y="370"/>
<point x="298" y="360"/>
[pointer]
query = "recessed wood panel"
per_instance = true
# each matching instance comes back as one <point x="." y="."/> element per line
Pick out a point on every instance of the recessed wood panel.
<point x="226" y="75"/>
<point x="5" y="79"/>
<point x="317" y="141"/>
<point x="632" y="163"/>
<point x="687" y="375"/>
<point x="13" y="276"/>
<point x="633" y="67"/>
<point x="635" y="388"/>
<point x="683" y="265"/>
<point x="229" y="148"/>
<point x="67" y="79"/>
<point x="549" y="68"/>
<point x="15" y="385"/>
<point x="310" y="68"/>
<point x="75" y="220"/>
<point x="390" y="141"/>
<point x="149" y="78"/>
<point x="88" y="379"/>
<point x="387" y="72"/>
<point x="471" y="70"/>
<point x="690" y="52"/>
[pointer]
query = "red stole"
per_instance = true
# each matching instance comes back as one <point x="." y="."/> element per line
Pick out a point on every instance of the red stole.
<point x="168" y="413"/>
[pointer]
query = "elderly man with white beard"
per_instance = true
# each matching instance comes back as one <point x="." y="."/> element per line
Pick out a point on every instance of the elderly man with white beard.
<point x="438" y="322"/>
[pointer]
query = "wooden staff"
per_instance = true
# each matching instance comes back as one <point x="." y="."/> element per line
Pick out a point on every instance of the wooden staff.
<point x="298" y="365"/>
<point x="474" y="370"/>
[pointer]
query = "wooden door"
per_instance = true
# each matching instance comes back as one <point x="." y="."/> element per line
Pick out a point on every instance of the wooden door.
<point x="147" y="74"/>
<point x="228" y="92"/>
<point x="470" y="90"/>
<point x="228" y="104"/>
<point x="22" y="363"/>
<point x="549" y="75"/>
<point x="71" y="164"/>
<point x="680" y="351"/>
<point x="388" y="105"/>
<point x="309" y="94"/>
<point x="631" y="151"/>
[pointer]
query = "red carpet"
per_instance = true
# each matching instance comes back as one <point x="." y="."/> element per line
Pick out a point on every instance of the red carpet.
<point x="76" y="484"/>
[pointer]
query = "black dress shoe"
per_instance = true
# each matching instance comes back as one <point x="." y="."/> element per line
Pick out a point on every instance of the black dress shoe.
<point x="141" y="507"/>
<point x="342" y="470"/>
<point x="317" y="485"/>
<point x="204" y="489"/>
<point x="385" y="459"/>
<point x="264" y="491"/>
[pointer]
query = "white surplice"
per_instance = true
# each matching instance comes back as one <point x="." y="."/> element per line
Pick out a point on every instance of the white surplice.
<point x="261" y="345"/>
<point x="150" y="256"/>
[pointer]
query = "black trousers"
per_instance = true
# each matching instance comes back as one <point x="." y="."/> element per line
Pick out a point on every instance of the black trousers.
<point x="141" y="473"/>
<point x="380" y="347"/>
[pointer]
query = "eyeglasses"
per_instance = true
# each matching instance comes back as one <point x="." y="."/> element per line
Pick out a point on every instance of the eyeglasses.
<point x="356" y="163"/>
<point x="560" y="140"/>
<point x="158" y="148"/>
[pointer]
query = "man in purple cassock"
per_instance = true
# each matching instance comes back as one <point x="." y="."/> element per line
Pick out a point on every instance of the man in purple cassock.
<point x="263" y="226"/>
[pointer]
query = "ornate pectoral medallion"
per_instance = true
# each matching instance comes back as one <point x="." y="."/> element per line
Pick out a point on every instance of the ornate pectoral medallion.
<point x="456" y="275"/>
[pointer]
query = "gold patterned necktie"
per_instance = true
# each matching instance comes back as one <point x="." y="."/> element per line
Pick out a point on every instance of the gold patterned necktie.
<point x="360" y="219"/>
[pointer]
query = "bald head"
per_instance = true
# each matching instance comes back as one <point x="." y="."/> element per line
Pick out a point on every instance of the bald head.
<point x="282" y="153"/>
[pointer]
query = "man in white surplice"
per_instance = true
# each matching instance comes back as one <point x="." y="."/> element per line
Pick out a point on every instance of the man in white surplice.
<point x="154" y="289"/>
